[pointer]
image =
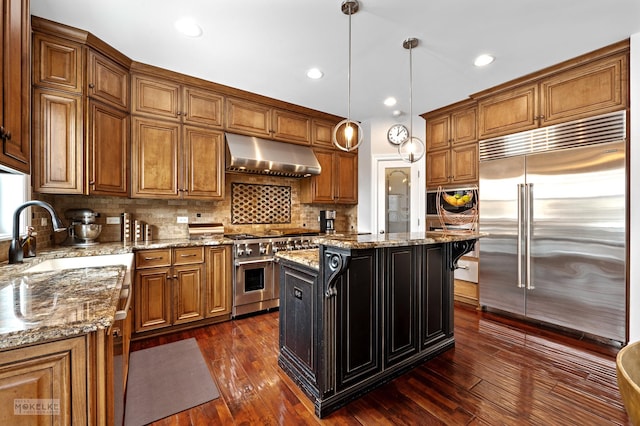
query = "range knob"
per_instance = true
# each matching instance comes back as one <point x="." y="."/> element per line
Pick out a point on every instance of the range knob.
<point x="262" y="248"/>
<point x="247" y="249"/>
<point x="239" y="252"/>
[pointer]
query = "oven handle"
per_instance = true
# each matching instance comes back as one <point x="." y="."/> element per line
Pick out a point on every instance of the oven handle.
<point x="250" y="262"/>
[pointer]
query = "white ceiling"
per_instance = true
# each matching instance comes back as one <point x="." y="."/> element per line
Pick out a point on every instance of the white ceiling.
<point x="266" y="46"/>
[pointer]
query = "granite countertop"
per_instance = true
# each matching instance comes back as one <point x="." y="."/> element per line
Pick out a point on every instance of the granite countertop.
<point x="355" y="241"/>
<point x="308" y="257"/>
<point x="41" y="306"/>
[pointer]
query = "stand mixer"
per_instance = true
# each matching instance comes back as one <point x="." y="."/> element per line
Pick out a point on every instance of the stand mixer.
<point x="83" y="231"/>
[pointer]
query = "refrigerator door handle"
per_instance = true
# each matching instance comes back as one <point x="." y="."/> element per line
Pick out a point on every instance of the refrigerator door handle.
<point x="521" y="198"/>
<point x="528" y="232"/>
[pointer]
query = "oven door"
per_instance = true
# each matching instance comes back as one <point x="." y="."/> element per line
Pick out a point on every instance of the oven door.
<point x="254" y="281"/>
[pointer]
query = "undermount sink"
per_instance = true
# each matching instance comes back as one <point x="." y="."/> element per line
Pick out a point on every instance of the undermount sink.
<point x="125" y="259"/>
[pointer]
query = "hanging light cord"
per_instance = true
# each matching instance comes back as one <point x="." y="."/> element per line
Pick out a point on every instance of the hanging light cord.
<point x="349" y="71"/>
<point x="410" y="91"/>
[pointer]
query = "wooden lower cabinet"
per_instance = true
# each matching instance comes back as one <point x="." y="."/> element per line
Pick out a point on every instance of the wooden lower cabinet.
<point x="181" y="286"/>
<point x="71" y="378"/>
<point x="218" y="295"/>
<point x="169" y="294"/>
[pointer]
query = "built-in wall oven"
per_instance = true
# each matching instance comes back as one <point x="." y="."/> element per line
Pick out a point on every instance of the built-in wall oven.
<point x="256" y="285"/>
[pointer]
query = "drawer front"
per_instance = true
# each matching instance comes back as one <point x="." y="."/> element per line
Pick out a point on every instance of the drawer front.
<point x="188" y="255"/>
<point x="153" y="258"/>
<point x="467" y="271"/>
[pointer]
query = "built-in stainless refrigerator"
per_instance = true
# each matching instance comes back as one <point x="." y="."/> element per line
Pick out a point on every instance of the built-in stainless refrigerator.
<point x="554" y="209"/>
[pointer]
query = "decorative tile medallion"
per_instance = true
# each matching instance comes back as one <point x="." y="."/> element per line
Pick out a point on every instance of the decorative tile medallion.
<point x="257" y="204"/>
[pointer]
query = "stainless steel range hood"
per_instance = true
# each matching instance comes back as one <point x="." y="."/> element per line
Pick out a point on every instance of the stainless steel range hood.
<point x="247" y="154"/>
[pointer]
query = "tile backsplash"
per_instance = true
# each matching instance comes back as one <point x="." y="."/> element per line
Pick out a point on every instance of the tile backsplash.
<point x="162" y="214"/>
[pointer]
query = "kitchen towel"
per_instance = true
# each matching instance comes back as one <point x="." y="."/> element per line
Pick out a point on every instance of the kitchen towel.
<point x="165" y="380"/>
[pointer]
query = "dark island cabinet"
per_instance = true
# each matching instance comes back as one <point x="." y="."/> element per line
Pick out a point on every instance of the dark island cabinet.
<point x="357" y="320"/>
<point x="401" y="312"/>
<point x="365" y="317"/>
<point x="298" y="328"/>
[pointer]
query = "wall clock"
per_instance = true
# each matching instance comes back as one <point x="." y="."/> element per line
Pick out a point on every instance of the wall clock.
<point x="397" y="134"/>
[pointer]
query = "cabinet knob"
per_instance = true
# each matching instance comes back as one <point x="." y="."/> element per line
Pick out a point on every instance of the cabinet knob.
<point x="4" y="134"/>
<point x="91" y="85"/>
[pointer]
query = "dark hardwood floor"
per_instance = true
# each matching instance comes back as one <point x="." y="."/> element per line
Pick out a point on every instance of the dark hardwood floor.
<point x="501" y="372"/>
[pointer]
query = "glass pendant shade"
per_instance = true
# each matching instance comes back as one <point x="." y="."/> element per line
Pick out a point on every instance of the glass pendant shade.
<point x="411" y="150"/>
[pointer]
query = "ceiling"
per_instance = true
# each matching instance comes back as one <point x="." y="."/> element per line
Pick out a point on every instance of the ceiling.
<point x="267" y="46"/>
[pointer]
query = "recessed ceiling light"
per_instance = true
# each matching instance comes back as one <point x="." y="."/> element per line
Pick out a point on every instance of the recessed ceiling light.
<point x="483" y="60"/>
<point x="314" y="73"/>
<point x="188" y="27"/>
<point x="390" y="101"/>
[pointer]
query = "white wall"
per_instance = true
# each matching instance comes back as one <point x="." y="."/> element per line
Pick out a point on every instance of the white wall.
<point x="634" y="154"/>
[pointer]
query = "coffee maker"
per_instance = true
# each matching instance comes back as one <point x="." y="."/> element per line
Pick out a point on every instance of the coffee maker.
<point x="328" y="221"/>
<point x="83" y="231"/>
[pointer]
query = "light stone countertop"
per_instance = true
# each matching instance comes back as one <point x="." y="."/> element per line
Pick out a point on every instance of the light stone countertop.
<point x="41" y="306"/>
<point x="308" y="257"/>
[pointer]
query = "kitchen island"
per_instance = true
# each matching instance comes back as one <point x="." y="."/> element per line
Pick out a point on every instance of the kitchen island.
<point x="364" y="309"/>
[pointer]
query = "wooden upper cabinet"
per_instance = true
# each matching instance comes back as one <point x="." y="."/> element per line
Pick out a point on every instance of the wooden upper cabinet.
<point x="595" y="88"/>
<point x="452" y="144"/>
<point x="510" y="112"/>
<point x="255" y="119"/>
<point x="170" y="160"/>
<point x="291" y="127"/>
<point x="57" y="63"/>
<point x="346" y="190"/>
<point x="154" y="158"/>
<point x="464" y="164"/>
<point x="108" y="150"/>
<point x="320" y="188"/>
<point x="203" y="164"/>
<point x="248" y="118"/>
<point x="155" y="97"/>
<point x="107" y="81"/>
<point x="453" y="125"/>
<point x="589" y="85"/>
<point x="322" y="134"/>
<point x="338" y="181"/>
<point x="202" y="107"/>
<point x="15" y="54"/>
<point x="58" y="148"/>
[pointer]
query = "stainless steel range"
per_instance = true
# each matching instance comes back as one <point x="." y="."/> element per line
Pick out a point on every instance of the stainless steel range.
<point x="256" y="285"/>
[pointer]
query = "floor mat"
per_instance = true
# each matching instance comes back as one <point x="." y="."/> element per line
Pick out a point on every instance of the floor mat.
<point x="166" y="379"/>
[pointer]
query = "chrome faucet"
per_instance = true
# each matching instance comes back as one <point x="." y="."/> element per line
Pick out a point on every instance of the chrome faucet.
<point x="15" y="250"/>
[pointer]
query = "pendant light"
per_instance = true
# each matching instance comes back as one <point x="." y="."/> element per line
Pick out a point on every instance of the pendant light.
<point x="347" y="130"/>
<point x="413" y="148"/>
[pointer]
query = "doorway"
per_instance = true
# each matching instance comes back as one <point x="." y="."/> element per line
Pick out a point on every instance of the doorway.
<point x="399" y="201"/>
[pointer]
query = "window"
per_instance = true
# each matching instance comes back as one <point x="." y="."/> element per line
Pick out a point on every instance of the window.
<point x="14" y="190"/>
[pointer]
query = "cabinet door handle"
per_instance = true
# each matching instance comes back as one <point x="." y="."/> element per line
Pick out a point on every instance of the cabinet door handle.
<point x="175" y="277"/>
<point x="153" y="258"/>
<point x="168" y="277"/>
<point x="4" y="134"/>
